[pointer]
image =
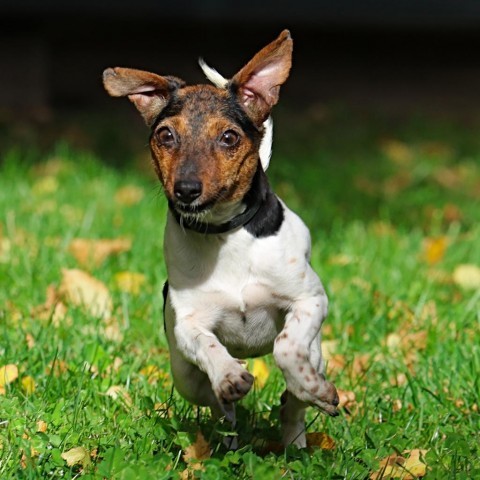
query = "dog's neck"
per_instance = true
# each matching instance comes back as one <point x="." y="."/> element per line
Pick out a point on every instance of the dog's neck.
<point x="229" y="217"/>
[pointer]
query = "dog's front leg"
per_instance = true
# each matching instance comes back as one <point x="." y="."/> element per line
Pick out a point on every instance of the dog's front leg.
<point x="229" y="379"/>
<point x="298" y="354"/>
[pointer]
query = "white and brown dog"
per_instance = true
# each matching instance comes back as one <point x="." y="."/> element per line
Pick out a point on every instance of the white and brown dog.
<point x="239" y="279"/>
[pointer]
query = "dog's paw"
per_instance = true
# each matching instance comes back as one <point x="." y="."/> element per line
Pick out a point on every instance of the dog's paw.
<point x="314" y="390"/>
<point x="234" y="384"/>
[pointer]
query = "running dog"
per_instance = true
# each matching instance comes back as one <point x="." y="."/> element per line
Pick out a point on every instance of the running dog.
<point x="239" y="279"/>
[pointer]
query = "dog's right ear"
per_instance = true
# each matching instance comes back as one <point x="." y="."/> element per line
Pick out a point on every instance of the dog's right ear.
<point x="148" y="91"/>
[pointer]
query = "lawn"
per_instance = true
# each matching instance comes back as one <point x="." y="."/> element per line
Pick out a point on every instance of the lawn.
<point x="85" y="389"/>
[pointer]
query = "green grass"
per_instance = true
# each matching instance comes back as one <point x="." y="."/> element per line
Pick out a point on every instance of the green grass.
<point x="371" y="205"/>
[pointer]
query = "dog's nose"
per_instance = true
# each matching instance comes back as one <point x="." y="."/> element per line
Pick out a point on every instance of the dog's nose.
<point x="187" y="190"/>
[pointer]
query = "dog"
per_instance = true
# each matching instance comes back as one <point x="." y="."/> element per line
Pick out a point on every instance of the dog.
<point x="239" y="279"/>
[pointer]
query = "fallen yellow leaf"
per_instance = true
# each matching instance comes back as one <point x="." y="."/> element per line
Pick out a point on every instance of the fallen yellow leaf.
<point x="407" y="466"/>
<point x="45" y="186"/>
<point x="260" y="371"/>
<point x="8" y="374"/>
<point x="89" y="252"/>
<point x="467" y="276"/>
<point x="5" y="250"/>
<point x="320" y="440"/>
<point x="153" y="374"/>
<point x="329" y="348"/>
<point x="81" y="289"/>
<point x="129" y="282"/>
<point x="77" y="455"/>
<point x="397" y="152"/>
<point x="434" y="249"/>
<point x="341" y="259"/>
<point x="28" y="385"/>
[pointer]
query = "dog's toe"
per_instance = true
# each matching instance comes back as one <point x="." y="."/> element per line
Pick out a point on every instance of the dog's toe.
<point x="234" y="386"/>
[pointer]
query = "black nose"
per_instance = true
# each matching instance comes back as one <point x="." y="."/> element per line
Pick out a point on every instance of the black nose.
<point x="187" y="190"/>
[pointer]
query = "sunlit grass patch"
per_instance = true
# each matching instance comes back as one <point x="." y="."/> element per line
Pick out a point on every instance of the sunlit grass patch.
<point x="86" y="388"/>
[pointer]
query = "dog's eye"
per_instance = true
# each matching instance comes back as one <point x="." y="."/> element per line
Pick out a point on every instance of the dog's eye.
<point x="165" y="137"/>
<point x="229" y="138"/>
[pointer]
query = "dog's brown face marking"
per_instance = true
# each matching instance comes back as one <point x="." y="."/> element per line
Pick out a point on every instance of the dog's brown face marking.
<point x="203" y="135"/>
<point x="205" y="139"/>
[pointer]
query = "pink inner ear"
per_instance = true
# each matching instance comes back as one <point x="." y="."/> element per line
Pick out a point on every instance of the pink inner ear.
<point x="145" y="89"/>
<point x="247" y="96"/>
<point x="261" y="83"/>
<point x="141" y="100"/>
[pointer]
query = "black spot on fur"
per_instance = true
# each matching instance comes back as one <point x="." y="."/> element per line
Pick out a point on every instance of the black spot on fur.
<point x="269" y="217"/>
<point x="165" y="295"/>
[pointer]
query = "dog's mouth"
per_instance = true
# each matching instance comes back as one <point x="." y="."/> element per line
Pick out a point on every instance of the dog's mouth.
<point x="195" y="210"/>
<point x="210" y="212"/>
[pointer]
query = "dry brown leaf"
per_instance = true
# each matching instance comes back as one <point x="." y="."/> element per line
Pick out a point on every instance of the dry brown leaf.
<point x="397" y="183"/>
<point x="129" y="195"/>
<point x="77" y="455"/>
<point x="358" y="366"/>
<point x="467" y="276"/>
<point x="112" y="330"/>
<point x="198" y="451"/>
<point x="30" y="340"/>
<point x="434" y="249"/>
<point x="42" y="426"/>
<point x="90" y="252"/>
<point x="53" y="309"/>
<point x="81" y="289"/>
<point x="346" y="399"/>
<point x="407" y="466"/>
<point x="452" y="213"/>
<point x="320" y="440"/>
<point x="407" y="341"/>
<point x="129" y="282"/>
<point x="365" y="185"/>
<point x="56" y="368"/>
<point x="118" y="392"/>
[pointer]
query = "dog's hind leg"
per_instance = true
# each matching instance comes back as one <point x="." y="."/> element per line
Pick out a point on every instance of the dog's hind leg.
<point x="292" y="417"/>
<point x="292" y="411"/>
<point x="227" y="411"/>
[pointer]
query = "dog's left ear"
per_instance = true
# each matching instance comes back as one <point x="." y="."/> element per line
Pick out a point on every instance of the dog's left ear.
<point x="148" y="91"/>
<point x="257" y="84"/>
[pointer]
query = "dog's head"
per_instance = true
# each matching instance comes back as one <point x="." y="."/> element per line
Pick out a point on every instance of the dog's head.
<point x="205" y="139"/>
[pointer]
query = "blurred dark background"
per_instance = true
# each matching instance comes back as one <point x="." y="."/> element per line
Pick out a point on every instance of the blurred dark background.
<point x="394" y="57"/>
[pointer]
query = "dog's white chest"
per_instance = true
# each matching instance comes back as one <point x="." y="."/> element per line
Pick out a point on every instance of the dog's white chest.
<point x="236" y="285"/>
